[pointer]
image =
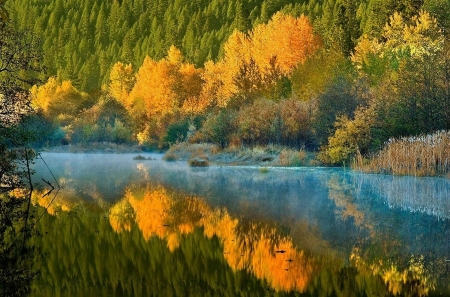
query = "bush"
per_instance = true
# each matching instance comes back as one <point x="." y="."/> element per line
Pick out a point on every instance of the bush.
<point x="289" y="157"/>
<point x="104" y="122"/>
<point x="170" y="157"/>
<point x="180" y="131"/>
<point x="259" y="123"/>
<point x="218" y="128"/>
<point x="351" y="137"/>
<point x="198" y="162"/>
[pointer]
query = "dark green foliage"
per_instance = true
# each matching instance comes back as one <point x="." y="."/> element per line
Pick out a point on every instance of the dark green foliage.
<point x="107" y="121"/>
<point x="181" y="130"/>
<point x="177" y="132"/>
<point x="42" y="131"/>
<point x="219" y="127"/>
<point x="340" y="98"/>
<point x="19" y="66"/>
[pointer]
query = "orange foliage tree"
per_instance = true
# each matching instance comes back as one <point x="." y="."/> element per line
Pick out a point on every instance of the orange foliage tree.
<point x="256" y="61"/>
<point x="160" y="92"/>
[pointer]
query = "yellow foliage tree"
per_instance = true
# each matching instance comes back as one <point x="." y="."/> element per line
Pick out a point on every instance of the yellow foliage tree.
<point x="350" y="138"/>
<point x="291" y="40"/>
<point x="161" y="89"/>
<point x="58" y="99"/>
<point x="122" y="80"/>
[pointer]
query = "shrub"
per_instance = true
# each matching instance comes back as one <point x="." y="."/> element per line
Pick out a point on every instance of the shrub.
<point x="350" y="138"/>
<point x="170" y="157"/>
<point x="259" y="123"/>
<point x="218" y="127"/>
<point x="177" y="132"/>
<point x="289" y="157"/>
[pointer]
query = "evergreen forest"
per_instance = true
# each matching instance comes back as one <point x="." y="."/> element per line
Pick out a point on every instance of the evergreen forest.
<point x="339" y="77"/>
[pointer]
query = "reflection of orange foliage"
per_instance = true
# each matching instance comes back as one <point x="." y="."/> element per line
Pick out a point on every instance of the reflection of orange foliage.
<point x="151" y="213"/>
<point x="121" y="215"/>
<point x="64" y="203"/>
<point x="154" y="215"/>
<point x="414" y="278"/>
<point x="259" y="250"/>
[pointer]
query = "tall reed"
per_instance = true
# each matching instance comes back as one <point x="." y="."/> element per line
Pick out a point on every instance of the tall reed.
<point x="423" y="155"/>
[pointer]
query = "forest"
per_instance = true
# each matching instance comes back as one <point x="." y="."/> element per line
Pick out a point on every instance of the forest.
<point x="338" y="77"/>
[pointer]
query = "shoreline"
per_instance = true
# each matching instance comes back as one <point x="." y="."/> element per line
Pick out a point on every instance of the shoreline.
<point x="207" y="154"/>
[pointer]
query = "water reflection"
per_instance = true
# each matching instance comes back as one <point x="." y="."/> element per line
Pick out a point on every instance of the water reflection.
<point x="260" y="250"/>
<point x="234" y="231"/>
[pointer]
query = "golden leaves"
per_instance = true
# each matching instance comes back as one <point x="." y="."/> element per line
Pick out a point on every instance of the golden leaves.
<point x="261" y="57"/>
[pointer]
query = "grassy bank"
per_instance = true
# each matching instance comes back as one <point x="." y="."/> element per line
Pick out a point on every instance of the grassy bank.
<point x="270" y="155"/>
<point x="95" y="147"/>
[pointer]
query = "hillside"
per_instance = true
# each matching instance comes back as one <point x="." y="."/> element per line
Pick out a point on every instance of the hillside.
<point x="337" y="76"/>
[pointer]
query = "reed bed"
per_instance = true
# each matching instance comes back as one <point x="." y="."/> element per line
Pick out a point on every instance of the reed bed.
<point x="423" y="155"/>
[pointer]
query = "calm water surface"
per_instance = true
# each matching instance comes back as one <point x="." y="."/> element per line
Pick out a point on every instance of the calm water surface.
<point x="124" y="227"/>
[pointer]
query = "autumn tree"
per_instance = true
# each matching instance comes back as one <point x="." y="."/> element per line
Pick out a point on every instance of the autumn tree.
<point x="60" y="101"/>
<point x="160" y="91"/>
<point x="407" y="69"/>
<point x="121" y="83"/>
<point x="254" y="63"/>
<point x="351" y="138"/>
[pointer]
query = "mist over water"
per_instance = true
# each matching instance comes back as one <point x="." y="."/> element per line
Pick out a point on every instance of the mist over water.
<point x="376" y="218"/>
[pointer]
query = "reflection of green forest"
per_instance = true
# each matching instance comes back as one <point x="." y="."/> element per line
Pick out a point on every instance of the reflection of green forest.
<point x="84" y="256"/>
<point x="167" y="244"/>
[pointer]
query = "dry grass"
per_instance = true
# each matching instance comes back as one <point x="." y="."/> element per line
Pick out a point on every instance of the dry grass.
<point x="425" y="155"/>
<point x="293" y="158"/>
<point x="186" y="151"/>
<point x="170" y="157"/>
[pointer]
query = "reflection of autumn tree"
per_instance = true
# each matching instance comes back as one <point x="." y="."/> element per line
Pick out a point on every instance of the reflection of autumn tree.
<point x="412" y="280"/>
<point x="157" y="214"/>
<point x="345" y="208"/>
<point x="262" y="251"/>
<point x="121" y="215"/>
<point x="85" y="257"/>
<point x="259" y="250"/>
<point x="64" y="202"/>
<point x="167" y="228"/>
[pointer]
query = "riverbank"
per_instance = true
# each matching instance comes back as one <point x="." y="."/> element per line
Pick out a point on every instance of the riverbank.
<point x="97" y="148"/>
<point x="204" y="154"/>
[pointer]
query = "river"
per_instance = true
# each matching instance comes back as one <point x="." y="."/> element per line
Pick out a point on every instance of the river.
<point x="125" y="227"/>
